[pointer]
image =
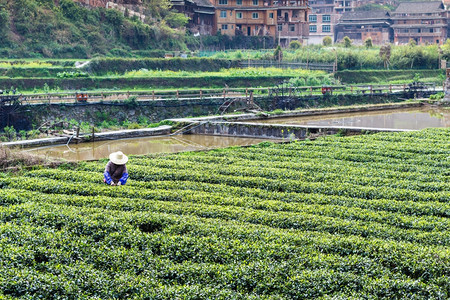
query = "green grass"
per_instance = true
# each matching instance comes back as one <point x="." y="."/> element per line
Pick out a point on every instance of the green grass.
<point x="340" y="217"/>
<point x="228" y="73"/>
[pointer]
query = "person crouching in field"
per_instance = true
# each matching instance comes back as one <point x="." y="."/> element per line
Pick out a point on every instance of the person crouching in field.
<point x="116" y="172"/>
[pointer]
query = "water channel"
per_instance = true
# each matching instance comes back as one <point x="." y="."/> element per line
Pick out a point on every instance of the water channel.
<point x="412" y="119"/>
<point x="141" y="146"/>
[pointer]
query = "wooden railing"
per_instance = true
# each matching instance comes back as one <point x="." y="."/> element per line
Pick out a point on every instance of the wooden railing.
<point x="329" y="67"/>
<point x="200" y="94"/>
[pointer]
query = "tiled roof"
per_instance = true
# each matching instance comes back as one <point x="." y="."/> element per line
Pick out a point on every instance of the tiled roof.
<point x="203" y="3"/>
<point x="419" y="7"/>
<point x="365" y="15"/>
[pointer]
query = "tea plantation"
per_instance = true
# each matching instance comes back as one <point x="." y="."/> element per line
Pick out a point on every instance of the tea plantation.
<point x="362" y="217"/>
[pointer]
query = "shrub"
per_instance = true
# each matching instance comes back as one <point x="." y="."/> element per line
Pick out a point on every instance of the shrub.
<point x="368" y="42"/>
<point x="294" y="45"/>
<point x="347" y="42"/>
<point x="278" y="54"/>
<point x="327" y="41"/>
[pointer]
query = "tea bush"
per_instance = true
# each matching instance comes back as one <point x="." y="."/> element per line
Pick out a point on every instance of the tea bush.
<point x="339" y="217"/>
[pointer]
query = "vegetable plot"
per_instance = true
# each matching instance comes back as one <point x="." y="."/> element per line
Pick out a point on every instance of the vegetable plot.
<point x="340" y="217"/>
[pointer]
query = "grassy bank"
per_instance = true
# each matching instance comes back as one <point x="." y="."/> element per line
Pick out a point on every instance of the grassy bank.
<point x="159" y="79"/>
<point x="15" y="160"/>
<point x="390" y="76"/>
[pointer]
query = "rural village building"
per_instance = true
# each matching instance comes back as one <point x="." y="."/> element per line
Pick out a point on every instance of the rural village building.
<point x="322" y="19"/>
<point x="201" y="15"/>
<point x="424" y="22"/>
<point x="306" y="21"/>
<point x="342" y="6"/>
<point x="283" y="20"/>
<point x="324" y="16"/>
<point x="360" y="25"/>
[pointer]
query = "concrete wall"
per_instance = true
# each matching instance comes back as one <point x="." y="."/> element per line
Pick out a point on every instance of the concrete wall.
<point x="270" y="131"/>
<point x="156" y="111"/>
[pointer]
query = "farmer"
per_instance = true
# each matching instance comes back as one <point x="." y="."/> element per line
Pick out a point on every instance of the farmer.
<point x="116" y="171"/>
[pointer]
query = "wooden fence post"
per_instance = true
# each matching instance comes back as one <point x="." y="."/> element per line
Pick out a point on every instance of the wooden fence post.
<point x="201" y="94"/>
<point x="153" y="95"/>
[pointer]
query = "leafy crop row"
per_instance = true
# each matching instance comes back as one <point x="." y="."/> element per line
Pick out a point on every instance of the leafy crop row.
<point x="339" y="217"/>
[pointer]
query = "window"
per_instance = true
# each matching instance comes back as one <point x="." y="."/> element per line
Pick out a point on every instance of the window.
<point x="238" y="2"/>
<point x="280" y="27"/>
<point x="223" y="2"/>
<point x="312" y="28"/>
<point x="326" y="28"/>
<point x="271" y="16"/>
<point x="255" y="15"/>
<point x="312" y="18"/>
<point x="291" y="28"/>
<point x="224" y="26"/>
<point x="238" y="15"/>
<point x="255" y="2"/>
<point x="326" y="18"/>
<point x="223" y="13"/>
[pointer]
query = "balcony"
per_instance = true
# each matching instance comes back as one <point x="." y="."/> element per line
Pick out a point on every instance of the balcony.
<point x="290" y="3"/>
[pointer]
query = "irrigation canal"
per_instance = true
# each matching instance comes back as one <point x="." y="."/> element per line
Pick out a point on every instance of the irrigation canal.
<point x="414" y="118"/>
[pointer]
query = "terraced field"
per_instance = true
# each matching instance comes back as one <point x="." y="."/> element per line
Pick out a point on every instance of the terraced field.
<point x="364" y="217"/>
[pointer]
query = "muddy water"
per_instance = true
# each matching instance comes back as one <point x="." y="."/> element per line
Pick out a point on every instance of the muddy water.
<point x="141" y="146"/>
<point x="413" y="119"/>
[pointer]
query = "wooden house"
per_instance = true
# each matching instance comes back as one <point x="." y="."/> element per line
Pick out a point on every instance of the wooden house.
<point x="423" y="22"/>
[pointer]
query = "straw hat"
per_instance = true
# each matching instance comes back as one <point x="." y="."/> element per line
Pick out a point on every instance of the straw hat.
<point x="118" y="158"/>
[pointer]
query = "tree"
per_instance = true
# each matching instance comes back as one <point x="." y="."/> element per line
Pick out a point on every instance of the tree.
<point x="446" y="50"/>
<point x="278" y="54"/>
<point x="385" y="54"/>
<point x="176" y="20"/>
<point x="368" y="42"/>
<point x="4" y="20"/>
<point x="347" y="42"/>
<point x="158" y="8"/>
<point x="327" y="41"/>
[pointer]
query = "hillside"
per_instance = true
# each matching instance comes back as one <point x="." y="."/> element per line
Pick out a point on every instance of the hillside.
<point x="40" y="28"/>
<point x="363" y="217"/>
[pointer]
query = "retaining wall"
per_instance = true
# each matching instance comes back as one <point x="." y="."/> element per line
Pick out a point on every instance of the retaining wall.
<point x="156" y="111"/>
<point x="111" y="135"/>
<point x="270" y="131"/>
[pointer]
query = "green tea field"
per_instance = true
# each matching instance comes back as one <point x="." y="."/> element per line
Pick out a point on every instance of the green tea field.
<point x="361" y="217"/>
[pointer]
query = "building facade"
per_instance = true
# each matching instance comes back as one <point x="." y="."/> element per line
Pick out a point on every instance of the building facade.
<point x="201" y="15"/>
<point x="324" y="16"/>
<point x="322" y="19"/>
<point x="283" y="20"/>
<point x="423" y="22"/>
<point x="360" y="25"/>
<point x="342" y="6"/>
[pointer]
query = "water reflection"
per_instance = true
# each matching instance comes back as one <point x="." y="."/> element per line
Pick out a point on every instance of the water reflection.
<point x="141" y="146"/>
<point x="414" y="119"/>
